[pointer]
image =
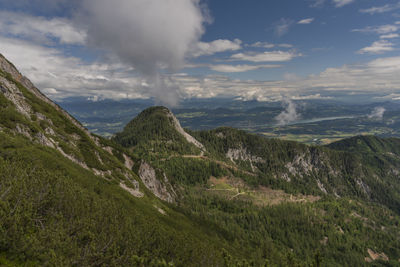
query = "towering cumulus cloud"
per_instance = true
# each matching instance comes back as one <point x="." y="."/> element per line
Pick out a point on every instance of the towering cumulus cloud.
<point x="150" y="35"/>
<point x="377" y="113"/>
<point x="289" y="114"/>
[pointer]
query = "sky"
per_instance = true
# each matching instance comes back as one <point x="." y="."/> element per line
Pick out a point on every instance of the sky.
<point x="171" y="50"/>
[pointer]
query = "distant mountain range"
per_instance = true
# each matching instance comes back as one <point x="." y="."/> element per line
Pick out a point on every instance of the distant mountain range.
<point x="156" y="194"/>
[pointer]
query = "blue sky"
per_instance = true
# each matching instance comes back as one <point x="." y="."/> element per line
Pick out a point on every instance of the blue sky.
<point x="176" y="49"/>
<point x="327" y="41"/>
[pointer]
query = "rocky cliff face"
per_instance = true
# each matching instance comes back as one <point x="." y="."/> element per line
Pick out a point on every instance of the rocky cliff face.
<point x="180" y="130"/>
<point x="241" y="154"/>
<point x="154" y="183"/>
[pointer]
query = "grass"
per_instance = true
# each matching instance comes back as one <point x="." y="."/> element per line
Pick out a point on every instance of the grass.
<point x="73" y="198"/>
<point x="234" y="188"/>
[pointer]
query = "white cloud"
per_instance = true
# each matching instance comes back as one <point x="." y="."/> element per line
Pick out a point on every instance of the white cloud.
<point x="291" y="77"/>
<point x="149" y="35"/>
<point x="311" y="97"/>
<point x="341" y="3"/>
<point x="317" y="3"/>
<point x="380" y="75"/>
<point x="385" y="65"/>
<point x="282" y="26"/>
<point x="377" y="47"/>
<point x="377" y="113"/>
<point x="389" y="36"/>
<point x="263" y="45"/>
<point x="306" y="21"/>
<point x="381" y="9"/>
<point x="228" y="68"/>
<point x="59" y="76"/>
<point x="40" y="29"/>
<point x="337" y="3"/>
<point x="45" y="5"/>
<point x="240" y="68"/>
<point x="393" y="96"/>
<point x="145" y="33"/>
<point x="273" y="56"/>
<point x="49" y="91"/>
<point x="384" y="29"/>
<point x="269" y="45"/>
<point x="285" y="45"/>
<point x="290" y="113"/>
<point x="217" y="46"/>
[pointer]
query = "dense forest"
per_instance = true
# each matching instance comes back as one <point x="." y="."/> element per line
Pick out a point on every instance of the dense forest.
<point x="336" y="229"/>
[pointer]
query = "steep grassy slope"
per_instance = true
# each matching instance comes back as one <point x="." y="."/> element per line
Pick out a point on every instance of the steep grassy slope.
<point x="68" y="198"/>
<point x="55" y="213"/>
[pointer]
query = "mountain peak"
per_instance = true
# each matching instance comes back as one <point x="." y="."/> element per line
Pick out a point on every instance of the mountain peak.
<point x="179" y="128"/>
<point x="7" y="67"/>
<point x="26" y="112"/>
<point x="157" y="124"/>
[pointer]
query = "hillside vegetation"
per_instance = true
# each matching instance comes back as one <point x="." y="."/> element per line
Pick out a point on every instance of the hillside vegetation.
<point x="155" y="195"/>
<point x="241" y="179"/>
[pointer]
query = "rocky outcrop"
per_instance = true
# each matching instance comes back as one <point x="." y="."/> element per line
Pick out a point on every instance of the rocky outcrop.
<point x="128" y="162"/>
<point x="363" y="186"/>
<point x="309" y="163"/>
<point x="133" y="188"/>
<point x="108" y="149"/>
<point x="242" y="154"/>
<point x="73" y="159"/>
<point x="300" y="165"/>
<point x="133" y="191"/>
<point x="50" y="131"/>
<point x="321" y="186"/>
<point x="160" y="210"/>
<point x="374" y="256"/>
<point x="22" y="129"/>
<point x="43" y="140"/>
<point x="12" y="93"/>
<point x="187" y="136"/>
<point x="149" y="178"/>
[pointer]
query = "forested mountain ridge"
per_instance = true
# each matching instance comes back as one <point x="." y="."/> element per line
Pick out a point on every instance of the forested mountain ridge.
<point x="158" y="126"/>
<point x="365" y="167"/>
<point x="156" y="195"/>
